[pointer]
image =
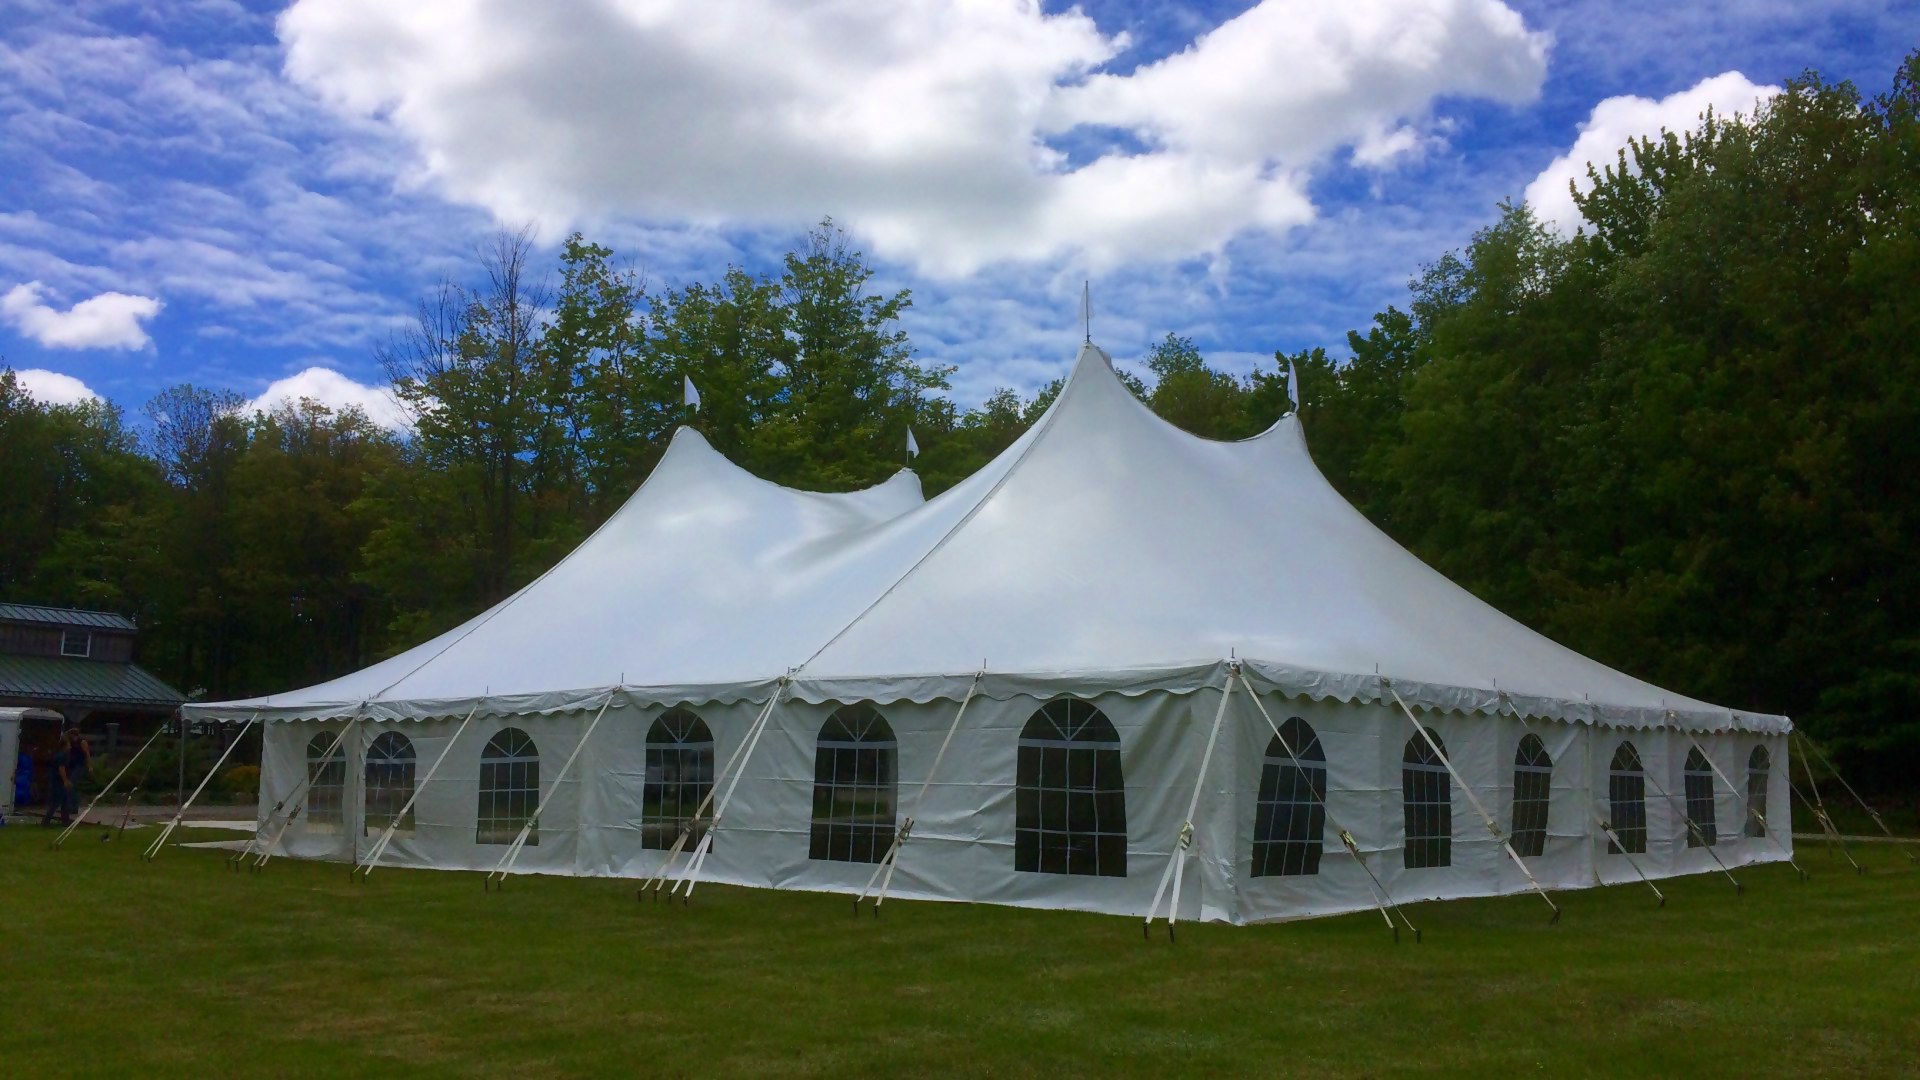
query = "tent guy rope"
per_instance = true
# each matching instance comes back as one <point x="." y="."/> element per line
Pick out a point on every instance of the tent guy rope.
<point x="75" y="823"/>
<point x="160" y="841"/>
<point x="891" y="859"/>
<point x="365" y="870"/>
<point x="498" y="875"/>
<point x="1177" y="860"/>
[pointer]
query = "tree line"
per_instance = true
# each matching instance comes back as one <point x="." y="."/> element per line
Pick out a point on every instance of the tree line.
<point x="1683" y="440"/>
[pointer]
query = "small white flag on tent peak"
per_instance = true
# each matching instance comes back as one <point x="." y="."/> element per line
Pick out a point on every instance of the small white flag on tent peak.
<point x="1293" y="385"/>
<point x="692" y="396"/>
<point x="913" y="448"/>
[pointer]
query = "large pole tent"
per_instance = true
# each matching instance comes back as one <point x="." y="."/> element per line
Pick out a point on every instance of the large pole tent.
<point x="772" y="680"/>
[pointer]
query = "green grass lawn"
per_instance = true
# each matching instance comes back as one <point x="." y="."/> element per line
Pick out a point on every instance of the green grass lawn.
<point x="179" y="968"/>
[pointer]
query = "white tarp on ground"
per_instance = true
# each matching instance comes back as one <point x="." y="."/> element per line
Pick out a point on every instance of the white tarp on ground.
<point x="1105" y="555"/>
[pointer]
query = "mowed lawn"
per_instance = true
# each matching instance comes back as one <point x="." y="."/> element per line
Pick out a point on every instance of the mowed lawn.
<point x="181" y="968"/>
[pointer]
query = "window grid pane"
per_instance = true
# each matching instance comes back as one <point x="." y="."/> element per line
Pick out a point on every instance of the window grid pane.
<point x="1757" y="766"/>
<point x="326" y="783"/>
<point x="679" y="778"/>
<point x="1627" y="801"/>
<point x="1427" y="797"/>
<point x="509" y="788"/>
<point x="390" y="775"/>
<point x="855" y="787"/>
<point x="1071" y="803"/>
<point x="1699" y="784"/>
<point x="1532" y="797"/>
<point x="1290" y="817"/>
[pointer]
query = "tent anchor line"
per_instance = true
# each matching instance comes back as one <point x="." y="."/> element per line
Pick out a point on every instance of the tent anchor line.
<point x="1827" y="829"/>
<point x="1620" y="849"/>
<point x="296" y="800"/>
<point x="1693" y="829"/>
<point x="1382" y="899"/>
<point x="736" y="763"/>
<point x="75" y="823"/>
<point x="1747" y="804"/>
<point x="891" y="859"/>
<point x="1493" y="827"/>
<point x="1177" y="862"/>
<point x="1912" y="856"/>
<point x="161" y="840"/>
<point x="496" y="878"/>
<point x="365" y="870"/>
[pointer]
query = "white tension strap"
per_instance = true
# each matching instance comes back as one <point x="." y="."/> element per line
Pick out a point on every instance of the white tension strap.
<point x="1864" y="805"/>
<point x="499" y="872"/>
<point x="699" y="860"/>
<point x="295" y="801"/>
<point x="160" y="840"/>
<point x="1746" y="803"/>
<point x="700" y="811"/>
<point x="1381" y="898"/>
<point x="892" y="858"/>
<point x="1620" y="849"/>
<point x="1693" y="827"/>
<point x="1493" y="827"/>
<point x="1177" y="862"/>
<point x="386" y="836"/>
<point x="75" y="823"/>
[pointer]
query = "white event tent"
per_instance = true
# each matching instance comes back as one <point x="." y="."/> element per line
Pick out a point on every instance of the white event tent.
<point x="1114" y="643"/>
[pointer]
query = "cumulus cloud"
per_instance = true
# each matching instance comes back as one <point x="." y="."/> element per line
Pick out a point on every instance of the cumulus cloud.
<point x="1617" y="121"/>
<point x="933" y="128"/>
<point x="53" y="388"/>
<point x="330" y="388"/>
<point x="110" y="320"/>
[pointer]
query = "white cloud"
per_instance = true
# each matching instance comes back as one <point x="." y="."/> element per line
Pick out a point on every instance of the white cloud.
<point x="929" y="127"/>
<point x="1617" y="121"/>
<point x="53" y="388"/>
<point x="336" y="391"/>
<point x="110" y="320"/>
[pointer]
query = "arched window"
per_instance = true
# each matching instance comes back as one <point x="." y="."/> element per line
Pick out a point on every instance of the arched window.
<point x="1291" y="816"/>
<point x="1699" y="781"/>
<point x="389" y="782"/>
<point x="1428" y="800"/>
<point x="679" y="778"/>
<point x="326" y="781"/>
<point x="1627" y="801"/>
<point x="509" y="788"/>
<point x="854" y="786"/>
<point x="1758" y="763"/>
<point x="1532" y="796"/>
<point x="1070" y="805"/>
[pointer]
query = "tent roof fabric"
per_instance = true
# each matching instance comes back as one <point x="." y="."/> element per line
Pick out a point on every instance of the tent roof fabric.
<point x="1104" y="551"/>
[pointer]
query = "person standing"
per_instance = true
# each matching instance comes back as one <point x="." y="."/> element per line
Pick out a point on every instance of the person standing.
<point x="79" y="767"/>
<point x="58" y="782"/>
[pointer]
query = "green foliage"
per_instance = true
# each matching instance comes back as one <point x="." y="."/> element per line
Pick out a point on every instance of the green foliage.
<point x="240" y="781"/>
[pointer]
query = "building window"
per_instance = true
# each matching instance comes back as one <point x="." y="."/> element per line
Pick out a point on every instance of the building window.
<point x="1699" y="782"/>
<point x="1428" y="801"/>
<point x="509" y="788"/>
<point x="1070" y="799"/>
<point x="326" y="781"/>
<point x="1291" y="816"/>
<point x="1758" y="763"/>
<point x="76" y="643"/>
<point x="1627" y="801"/>
<point x="679" y="779"/>
<point x="854" y="786"/>
<point x="389" y="783"/>
<point x="1532" y="796"/>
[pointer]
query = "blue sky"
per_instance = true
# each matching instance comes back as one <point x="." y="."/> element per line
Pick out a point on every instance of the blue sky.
<point x="252" y="195"/>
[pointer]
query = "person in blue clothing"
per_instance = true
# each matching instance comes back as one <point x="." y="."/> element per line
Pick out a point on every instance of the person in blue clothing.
<point x="59" y="782"/>
<point x="23" y="779"/>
